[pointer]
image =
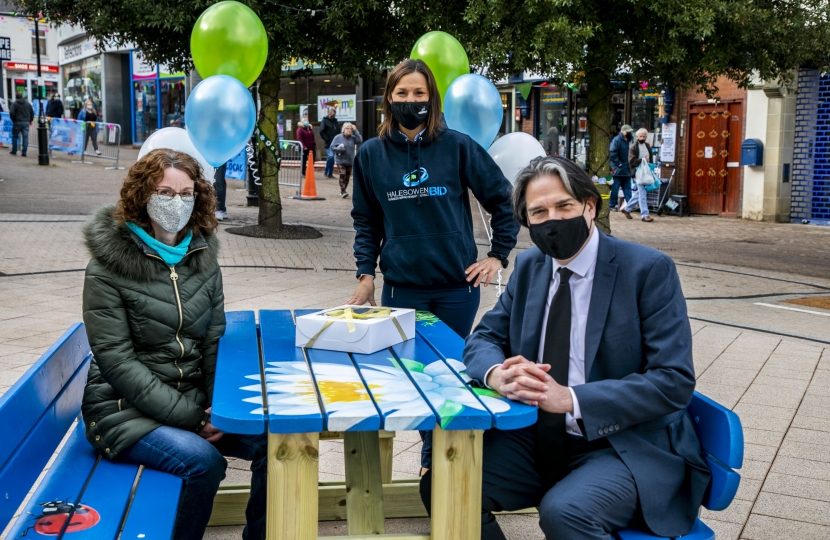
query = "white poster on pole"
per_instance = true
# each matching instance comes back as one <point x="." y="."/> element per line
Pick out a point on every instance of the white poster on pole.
<point x="669" y="143"/>
<point x="344" y="106"/>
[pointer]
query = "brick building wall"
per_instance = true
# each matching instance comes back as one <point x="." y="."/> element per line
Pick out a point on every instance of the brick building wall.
<point x="811" y="159"/>
<point x="727" y="90"/>
<point x="527" y="123"/>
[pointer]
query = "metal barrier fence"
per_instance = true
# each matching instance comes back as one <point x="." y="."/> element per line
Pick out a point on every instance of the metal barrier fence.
<point x="100" y="140"/>
<point x="291" y="164"/>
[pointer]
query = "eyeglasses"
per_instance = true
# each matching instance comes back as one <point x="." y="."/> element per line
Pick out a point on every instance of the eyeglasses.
<point x="186" y="195"/>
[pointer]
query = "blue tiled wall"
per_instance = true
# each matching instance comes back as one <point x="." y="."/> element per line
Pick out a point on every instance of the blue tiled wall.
<point x="811" y="163"/>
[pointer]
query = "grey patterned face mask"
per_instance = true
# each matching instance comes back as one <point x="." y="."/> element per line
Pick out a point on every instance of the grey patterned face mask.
<point x="172" y="213"/>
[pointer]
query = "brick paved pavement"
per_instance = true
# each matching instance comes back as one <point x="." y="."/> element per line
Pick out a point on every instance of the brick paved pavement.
<point x="780" y="385"/>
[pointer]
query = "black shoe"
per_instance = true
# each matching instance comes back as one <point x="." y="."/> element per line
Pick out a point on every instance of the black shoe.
<point x="12" y="153"/>
<point x="22" y="155"/>
<point x="343" y="194"/>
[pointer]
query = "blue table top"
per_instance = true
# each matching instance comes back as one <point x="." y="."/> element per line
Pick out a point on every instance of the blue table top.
<point x="417" y="384"/>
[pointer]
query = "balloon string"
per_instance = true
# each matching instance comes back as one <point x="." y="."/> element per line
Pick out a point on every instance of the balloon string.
<point x="488" y="228"/>
<point x="252" y="163"/>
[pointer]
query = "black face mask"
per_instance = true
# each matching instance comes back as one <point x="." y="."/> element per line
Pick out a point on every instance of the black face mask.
<point x="560" y="238"/>
<point x="410" y="114"/>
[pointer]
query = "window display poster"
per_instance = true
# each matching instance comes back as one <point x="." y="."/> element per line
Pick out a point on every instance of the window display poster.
<point x="344" y="106"/>
<point x="669" y="143"/>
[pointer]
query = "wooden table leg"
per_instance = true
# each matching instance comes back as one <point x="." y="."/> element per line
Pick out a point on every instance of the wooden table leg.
<point x="292" y="486"/>
<point x="364" y="485"/>
<point x="456" y="484"/>
<point x="387" y="448"/>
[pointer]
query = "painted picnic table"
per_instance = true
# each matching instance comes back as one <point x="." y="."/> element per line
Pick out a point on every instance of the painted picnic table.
<point x="294" y="394"/>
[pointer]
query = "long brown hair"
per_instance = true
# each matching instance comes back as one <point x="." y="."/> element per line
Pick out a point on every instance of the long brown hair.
<point x="145" y="175"/>
<point x="434" y="121"/>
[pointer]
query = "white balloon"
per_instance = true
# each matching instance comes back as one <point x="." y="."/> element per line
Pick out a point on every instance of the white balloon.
<point x="176" y="139"/>
<point x="513" y="152"/>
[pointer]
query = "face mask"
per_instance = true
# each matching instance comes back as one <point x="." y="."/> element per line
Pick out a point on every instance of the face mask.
<point x="560" y="238"/>
<point x="410" y="114"/>
<point x="172" y="214"/>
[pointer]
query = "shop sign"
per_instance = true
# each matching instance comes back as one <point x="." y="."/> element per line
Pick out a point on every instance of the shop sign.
<point x="141" y="68"/>
<point x="296" y="64"/>
<point x="76" y="51"/>
<point x="23" y="66"/>
<point x="5" y="48"/>
<point x="552" y="96"/>
<point x="344" y="105"/>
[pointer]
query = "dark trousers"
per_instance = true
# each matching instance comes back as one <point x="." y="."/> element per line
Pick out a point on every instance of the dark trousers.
<point x="345" y="172"/>
<point x="201" y="466"/>
<point x="597" y="496"/>
<point x="623" y="182"/>
<point x="455" y="307"/>
<point x="306" y="152"/>
<point x="221" y="187"/>
<point x="91" y="134"/>
<point x="20" y="130"/>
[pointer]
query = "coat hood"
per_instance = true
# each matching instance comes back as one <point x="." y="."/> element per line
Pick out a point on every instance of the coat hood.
<point x="123" y="253"/>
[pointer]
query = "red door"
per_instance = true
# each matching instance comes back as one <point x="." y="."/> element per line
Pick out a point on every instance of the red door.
<point x="714" y="174"/>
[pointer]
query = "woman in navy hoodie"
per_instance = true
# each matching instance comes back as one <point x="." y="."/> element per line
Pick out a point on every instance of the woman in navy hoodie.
<point x="412" y="206"/>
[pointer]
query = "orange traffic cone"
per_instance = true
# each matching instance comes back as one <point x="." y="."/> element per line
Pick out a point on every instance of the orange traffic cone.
<point x="309" y="185"/>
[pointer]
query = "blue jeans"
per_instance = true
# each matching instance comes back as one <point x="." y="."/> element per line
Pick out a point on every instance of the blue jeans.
<point x="623" y="182"/>
<point x="642" y="201"/>
<point x="20" y="129"/>
<point x="597" y="495"/>
<point x="201" y="466"/>
<point x="456" y="307"/>
<point x="329" y="170"/>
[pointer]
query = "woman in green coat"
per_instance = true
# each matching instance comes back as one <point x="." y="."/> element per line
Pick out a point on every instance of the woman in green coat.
<point x="154" y="312"/>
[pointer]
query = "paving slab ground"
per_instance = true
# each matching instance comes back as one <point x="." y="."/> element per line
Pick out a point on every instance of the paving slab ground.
<point x="770" y="365"/>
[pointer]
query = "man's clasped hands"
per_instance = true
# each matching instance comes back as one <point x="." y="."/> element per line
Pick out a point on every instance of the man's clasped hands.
<point x="521" y="380"/>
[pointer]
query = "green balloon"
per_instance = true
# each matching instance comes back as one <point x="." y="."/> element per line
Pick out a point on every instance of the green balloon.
<point x="445" y="57"/>
<point x="229" y="39"/>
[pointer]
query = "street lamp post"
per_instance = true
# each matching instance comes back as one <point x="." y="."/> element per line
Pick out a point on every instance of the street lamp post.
<point x="42" y="135"/>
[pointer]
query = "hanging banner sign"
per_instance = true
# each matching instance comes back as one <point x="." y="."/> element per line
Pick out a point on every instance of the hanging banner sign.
<point x="6" y="129"/>
<point x="343" y="105"/>
<point x="237" y="166"/>
<point x="66" y="135"/>
<point x="667" y="149"/>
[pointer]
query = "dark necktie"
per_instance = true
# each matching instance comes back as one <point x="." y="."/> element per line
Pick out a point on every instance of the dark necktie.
<point x="551" y="457"/>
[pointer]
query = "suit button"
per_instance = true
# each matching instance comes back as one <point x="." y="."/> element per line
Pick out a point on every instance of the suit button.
<point x="617" y="427"/>
<point x="599" y="431"/>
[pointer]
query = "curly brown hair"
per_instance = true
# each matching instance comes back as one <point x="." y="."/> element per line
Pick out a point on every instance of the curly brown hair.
<point x="145" y="175"/>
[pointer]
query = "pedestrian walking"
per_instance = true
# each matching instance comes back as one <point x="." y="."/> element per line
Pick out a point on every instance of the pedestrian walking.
<point x="54" y="109"/>
<point x="89" y="116"/>
<point x="22" y="115"/>
<point x="329" y="129"/>
<point x="620" y="170"/>
<point x="343" y="146"/>
<point x="305" y="134"/>
<point x="221" y="187"/>
<point x="154" y="312"/>
<point x="411" y="209"/>
<point x="640" y="156"/>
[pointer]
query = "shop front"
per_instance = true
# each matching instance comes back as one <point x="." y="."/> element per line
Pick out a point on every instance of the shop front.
<point x="157" y="98"/>
<point x="22" y="77"/>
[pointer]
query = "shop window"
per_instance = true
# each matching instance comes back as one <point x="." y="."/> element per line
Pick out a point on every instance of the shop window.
<point x="551" y="120"/>
<point x="82" y="83"/>
<point x="172" y="102"/>
<point x="146" y="109"/>
<point x="41" y="35"/>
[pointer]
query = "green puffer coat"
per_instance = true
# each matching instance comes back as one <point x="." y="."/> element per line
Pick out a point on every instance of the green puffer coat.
<point x="154" y="332"/>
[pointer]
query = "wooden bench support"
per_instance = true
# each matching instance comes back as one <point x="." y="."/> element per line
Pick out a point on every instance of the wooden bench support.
<point x="456" y="484"/>
<point x="292" y="486"/>
<point x="387" y="442"/>
<point x="364" y="487"/>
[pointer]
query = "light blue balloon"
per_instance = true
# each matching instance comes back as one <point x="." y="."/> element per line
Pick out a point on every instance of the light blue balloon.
<point x="220" y="116"/>
<point x="472" y="106"/>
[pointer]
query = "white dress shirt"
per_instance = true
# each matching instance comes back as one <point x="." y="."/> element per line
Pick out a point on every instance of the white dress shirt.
<point x="582" y="283"/>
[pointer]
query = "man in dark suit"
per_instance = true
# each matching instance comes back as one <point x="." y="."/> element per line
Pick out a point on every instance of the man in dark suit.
<point x="592" y="330"/>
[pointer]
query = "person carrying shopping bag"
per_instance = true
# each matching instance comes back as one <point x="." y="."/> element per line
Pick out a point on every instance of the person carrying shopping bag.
<point x="640" y="154"/>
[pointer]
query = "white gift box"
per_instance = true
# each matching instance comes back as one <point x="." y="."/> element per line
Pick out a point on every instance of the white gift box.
<point x="355" y="329"/>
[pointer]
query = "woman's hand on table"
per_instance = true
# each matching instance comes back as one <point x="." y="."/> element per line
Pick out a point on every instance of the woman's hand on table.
<point x="209" y="432"/>
<point x="483" y="271"/>
<point x="365" y="292"/>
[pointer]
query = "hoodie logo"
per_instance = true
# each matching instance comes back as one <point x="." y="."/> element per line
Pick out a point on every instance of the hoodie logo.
<point x="410" y="179"/>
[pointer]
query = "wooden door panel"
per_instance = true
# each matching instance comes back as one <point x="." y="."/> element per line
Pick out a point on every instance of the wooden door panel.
<point x="707" y="158"/>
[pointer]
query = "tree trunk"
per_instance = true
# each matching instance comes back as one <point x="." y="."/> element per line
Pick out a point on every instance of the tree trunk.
<point x="270" y="204"/>
<point x="600" y="110"/>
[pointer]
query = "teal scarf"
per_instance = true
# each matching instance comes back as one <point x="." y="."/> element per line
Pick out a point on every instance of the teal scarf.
<point x="172" y="255"/>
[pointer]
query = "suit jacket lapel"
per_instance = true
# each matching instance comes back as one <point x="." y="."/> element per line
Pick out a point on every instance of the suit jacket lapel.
<point x="537" y="295"/>
<point x="605" y="275"/>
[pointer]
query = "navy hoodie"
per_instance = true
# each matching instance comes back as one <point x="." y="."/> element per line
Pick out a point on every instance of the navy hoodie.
<point x="421" y="225"/>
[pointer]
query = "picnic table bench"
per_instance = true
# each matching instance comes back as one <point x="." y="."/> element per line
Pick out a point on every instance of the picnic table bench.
<point x="418" y="384"/>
